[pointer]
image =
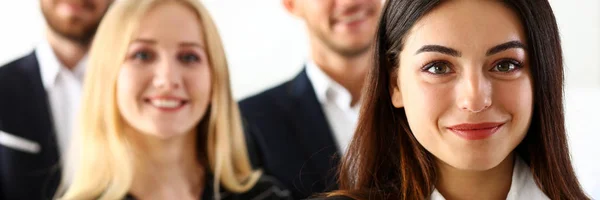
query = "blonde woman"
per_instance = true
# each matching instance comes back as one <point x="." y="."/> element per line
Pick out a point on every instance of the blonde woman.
<point x="158" y="119"/>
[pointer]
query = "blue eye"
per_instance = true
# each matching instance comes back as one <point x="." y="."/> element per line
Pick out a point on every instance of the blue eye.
<point x="438" y="68"/>
<point x="142" y="55"/>
<point x="506" y="66"/>
<point x="188" y="58"/>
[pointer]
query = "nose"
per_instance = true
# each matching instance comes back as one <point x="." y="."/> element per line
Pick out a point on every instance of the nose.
<point x="474" y="92"/>
<point x="167" y="75"/>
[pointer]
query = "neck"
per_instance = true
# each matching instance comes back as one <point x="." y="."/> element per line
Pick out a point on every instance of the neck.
<point x="466" y="184"/>
<point x="168" y="168"/>
<point x="68" y="52"/>
<point x="349" y="72"/>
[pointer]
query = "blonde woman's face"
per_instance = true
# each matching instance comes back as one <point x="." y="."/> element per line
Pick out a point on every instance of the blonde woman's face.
<point x="465" y="83"/>
<point x="164" y="85"/>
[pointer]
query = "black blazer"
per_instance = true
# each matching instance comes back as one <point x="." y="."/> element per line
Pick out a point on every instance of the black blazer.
<point x="25" y="113"/>
<point x="289" y="137"/>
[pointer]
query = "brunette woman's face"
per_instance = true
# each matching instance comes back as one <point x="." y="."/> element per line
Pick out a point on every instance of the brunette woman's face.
<point x="465" y="83"/>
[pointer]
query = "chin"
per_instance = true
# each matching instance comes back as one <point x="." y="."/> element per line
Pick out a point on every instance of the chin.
<point x="354" y="48"/>
<point x="476" y="166"/>
<point x="474" y="162"/>
<point x="167" y="133"/>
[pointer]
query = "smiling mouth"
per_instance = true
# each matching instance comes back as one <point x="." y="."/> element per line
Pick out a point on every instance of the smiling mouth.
<point x="357" y="16"/>
<point x="167" y="104"/>
<point x="476" y="131"/>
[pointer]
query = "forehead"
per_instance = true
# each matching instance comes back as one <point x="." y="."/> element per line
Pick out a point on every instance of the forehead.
<point x="467" y="26"/>
<point x="170" y="21"/>
<point x="311" y="4"/>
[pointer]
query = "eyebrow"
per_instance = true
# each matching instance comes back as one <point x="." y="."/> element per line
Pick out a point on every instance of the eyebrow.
<point x="452" y="52"/>
<point x="184" y="44"/>
<point x="144" y="41"/>
<point x="505" y="46"/>
<point x="439" y="49"/>
<point x="191" y="44"/>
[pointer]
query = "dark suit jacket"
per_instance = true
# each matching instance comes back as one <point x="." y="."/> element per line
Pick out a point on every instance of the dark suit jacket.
<point x="25" y="113"/>
<point x="289" y="137"/>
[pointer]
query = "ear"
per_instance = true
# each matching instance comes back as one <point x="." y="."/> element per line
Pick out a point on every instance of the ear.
<point x="292" y="7"/>
<point x="395" y="91"/>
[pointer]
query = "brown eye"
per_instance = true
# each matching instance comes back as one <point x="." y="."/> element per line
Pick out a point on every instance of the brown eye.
<point x="506" y="66"/>
<point x="438" y="68"/>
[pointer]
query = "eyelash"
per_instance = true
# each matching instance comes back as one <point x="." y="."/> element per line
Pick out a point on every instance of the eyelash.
<point x="428" y="66"/>
<point x="517" y="65"/>
<point x="196" y="58"/>
<point x="135" y="55"/>
<point x="426" y="69"/>
<point x="149" y="56"/>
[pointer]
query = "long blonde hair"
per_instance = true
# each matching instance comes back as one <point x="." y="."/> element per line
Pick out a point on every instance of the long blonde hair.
<point x="102" y="166"/>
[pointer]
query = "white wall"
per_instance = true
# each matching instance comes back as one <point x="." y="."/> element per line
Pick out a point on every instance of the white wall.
<point x="579" y="25"/>
<point x="22" y="27"/>
<point x="266" y="46"/>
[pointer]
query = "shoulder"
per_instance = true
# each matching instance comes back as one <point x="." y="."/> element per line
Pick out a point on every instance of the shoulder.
<point x="14" y="70"/>
<point x="17" y="64"/>
<point x="268" y="108"/>
<point x="272" y="96"/>
<point x="12" y="67"/>
<point x="266" y="188"/>
<point x="15" y="79"/>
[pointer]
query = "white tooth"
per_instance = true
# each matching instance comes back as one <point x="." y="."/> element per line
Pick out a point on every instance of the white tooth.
<point x="164" y="103"/>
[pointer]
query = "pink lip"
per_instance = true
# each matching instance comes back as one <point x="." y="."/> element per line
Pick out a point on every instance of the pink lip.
<point x="166" y="97"/>
<point x="74" y="8"/>
<point x="476" y="131"/>
<point x="355" y="23"/>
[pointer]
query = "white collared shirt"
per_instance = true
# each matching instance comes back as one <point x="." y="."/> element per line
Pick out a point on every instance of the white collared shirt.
<point x="522" y="186"/>
<point x="335" y="101"/>
<point x="63" y="87"/>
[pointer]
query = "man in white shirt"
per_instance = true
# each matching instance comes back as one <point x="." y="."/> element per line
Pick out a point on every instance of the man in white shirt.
<point x="39" y="100"/>
<point x="297" y="130"/>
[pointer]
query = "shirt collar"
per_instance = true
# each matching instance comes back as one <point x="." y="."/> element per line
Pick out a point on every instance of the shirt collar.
<point x="51" y="67"/>
<point x="326" y="89"/>
<point x="522" y="186"/>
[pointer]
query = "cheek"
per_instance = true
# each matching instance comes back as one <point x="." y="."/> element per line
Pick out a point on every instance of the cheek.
<point x="516" y="99"/>
<point x="48" y="3"/>
<point x="424" y="104"/>
<point x="129" y="87"/>
<point x="199" y="85"/>
<point x="318" y="25"/>
<point x="317" y="16"/>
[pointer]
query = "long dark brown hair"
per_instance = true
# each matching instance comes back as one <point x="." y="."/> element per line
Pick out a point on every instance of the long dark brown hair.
<point x="385" y="161"/>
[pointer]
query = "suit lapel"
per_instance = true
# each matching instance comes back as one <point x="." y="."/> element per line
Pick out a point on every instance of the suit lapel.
<point x="37" y="112"/>
<point x="313" y="131"/>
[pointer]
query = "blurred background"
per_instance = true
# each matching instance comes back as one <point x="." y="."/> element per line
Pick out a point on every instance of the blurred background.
<point x="266" y="46"/>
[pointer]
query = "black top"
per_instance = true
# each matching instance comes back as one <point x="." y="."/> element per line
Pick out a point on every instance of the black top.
<point x="289" y="137"/>
<point x="25" y="114"/>
<point x="267" y="188"/>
